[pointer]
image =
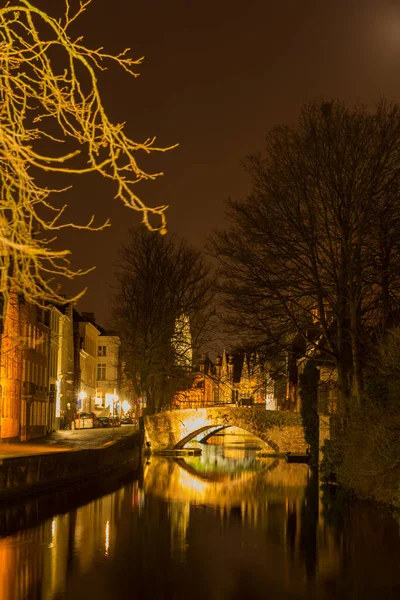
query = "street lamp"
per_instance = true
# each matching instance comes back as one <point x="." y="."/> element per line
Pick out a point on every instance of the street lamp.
<point x="81" y="397"/>
<point x="115" y="399"/>
<point x="126" y="406"/>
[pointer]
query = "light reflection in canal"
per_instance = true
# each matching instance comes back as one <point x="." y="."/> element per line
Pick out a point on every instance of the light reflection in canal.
<point x="221" y="526"/>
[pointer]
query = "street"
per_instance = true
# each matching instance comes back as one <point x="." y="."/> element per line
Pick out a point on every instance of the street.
<point x="60" y="441"/>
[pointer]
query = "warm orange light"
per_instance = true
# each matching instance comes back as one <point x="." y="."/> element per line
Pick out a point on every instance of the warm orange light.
<point x="107" y="539"/>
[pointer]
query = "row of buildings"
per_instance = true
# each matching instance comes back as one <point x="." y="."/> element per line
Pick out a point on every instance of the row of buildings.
<point x="242" y="378"/>
<point x="55" y="364"/>
<point x="230" y="378"/>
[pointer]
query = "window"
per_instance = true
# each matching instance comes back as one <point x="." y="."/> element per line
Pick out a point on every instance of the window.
<point x="102" y="351"/>
<point x="101" y="372"/>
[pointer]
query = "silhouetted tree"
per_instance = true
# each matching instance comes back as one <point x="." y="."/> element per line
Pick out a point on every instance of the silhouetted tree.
<point x="162" y="308"/>
<point x="53" y="121"/>
<point x="307" y="253"/>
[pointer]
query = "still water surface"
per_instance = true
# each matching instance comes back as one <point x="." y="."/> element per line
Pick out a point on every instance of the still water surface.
<point x="223" y="526"/>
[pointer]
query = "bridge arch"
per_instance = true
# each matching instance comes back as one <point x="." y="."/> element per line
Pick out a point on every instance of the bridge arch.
<point x="214" y="431"/>
<point x="280" y="431"/>
<point x="267" y="443"/>
<point x="194" y="434"/>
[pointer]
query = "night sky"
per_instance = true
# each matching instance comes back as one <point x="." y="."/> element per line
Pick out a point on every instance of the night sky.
<point x="217" y="75"/>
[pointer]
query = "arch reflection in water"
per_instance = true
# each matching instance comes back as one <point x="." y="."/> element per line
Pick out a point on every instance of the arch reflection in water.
<point x="236" y="494"/>
<point x="203" y="528"/>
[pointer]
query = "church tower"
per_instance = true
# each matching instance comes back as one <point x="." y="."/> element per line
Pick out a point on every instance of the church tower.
<point x="182" y="342"/>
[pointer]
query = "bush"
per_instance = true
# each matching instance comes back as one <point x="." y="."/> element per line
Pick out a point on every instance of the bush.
<point x="332" y="461"/>
<point x="371" y="464"/>
<point x="366" y="460"/>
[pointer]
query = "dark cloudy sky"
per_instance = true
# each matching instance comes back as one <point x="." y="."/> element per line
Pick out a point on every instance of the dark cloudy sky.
<point x="217" y="75"/>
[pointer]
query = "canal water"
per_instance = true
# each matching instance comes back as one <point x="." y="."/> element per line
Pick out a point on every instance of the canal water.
<point x="222" y="526"/>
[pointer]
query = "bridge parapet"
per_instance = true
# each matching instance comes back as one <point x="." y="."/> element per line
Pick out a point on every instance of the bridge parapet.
<point x="279" y="432"/>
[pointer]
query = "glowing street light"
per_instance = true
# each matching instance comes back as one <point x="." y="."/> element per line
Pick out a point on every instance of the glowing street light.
<point x="126" y="406"/>
<point x="115" y="399"/>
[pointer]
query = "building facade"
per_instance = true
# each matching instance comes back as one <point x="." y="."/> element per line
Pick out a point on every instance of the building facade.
<point x="54" y="342"/>
<point x="11" y="341"/>
<point x="55" y="364"/>
<point x="234" y="378"/>
<point x="86" y="334"/>
<point x="108" y="387"/>
<point x="35" y="417"/>
<point x="65" y="369"/>
<point x="36" y="369"/>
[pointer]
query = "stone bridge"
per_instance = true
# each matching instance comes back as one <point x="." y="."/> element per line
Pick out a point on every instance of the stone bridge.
<point x="279" y="432"/>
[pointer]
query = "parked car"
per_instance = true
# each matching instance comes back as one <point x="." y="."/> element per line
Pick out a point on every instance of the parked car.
<point x="84" y="421"/>
<point x="105" y="422"/>
<point x="117" y="421"/>
<point x="127" y="420"/>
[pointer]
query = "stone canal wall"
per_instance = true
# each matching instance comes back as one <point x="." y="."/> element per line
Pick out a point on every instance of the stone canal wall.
<point x="28" y="474"/>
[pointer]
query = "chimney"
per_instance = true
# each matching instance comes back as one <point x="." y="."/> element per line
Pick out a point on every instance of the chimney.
<point x="89" y="316"/>
<point x="230" y="367"/>
<point x="218" y="363"/>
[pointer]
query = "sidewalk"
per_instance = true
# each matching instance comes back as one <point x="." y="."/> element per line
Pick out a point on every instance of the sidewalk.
<point x="46" y="464"/>
<point x="60" y="441"/>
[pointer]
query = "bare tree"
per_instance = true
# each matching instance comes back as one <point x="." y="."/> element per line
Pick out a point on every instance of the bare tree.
<point x="163" y="307"/>
<point x="301" y="257"/>
<point x="49" y="98"/>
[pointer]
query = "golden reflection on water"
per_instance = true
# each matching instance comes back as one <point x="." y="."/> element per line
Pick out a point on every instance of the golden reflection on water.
<point x="107" y="541"/>
<point x="224" y="510"/>
<point x="45" y="555"/>
<point x="184" y="483"/>
<point x="178" y="481"/>
<point x="35" y="563"/>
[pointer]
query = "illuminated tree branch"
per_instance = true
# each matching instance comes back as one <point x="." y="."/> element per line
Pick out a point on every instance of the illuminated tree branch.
<point x="49" y="96"/>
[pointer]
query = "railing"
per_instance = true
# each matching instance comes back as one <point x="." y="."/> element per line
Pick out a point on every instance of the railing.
<point x="239" y="404"/>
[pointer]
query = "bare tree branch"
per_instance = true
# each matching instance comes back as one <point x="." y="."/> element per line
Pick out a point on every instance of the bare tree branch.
<point x="49" y="96"/>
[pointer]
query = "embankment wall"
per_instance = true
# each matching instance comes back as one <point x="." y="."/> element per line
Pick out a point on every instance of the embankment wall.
<point x="29" y="474"/>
